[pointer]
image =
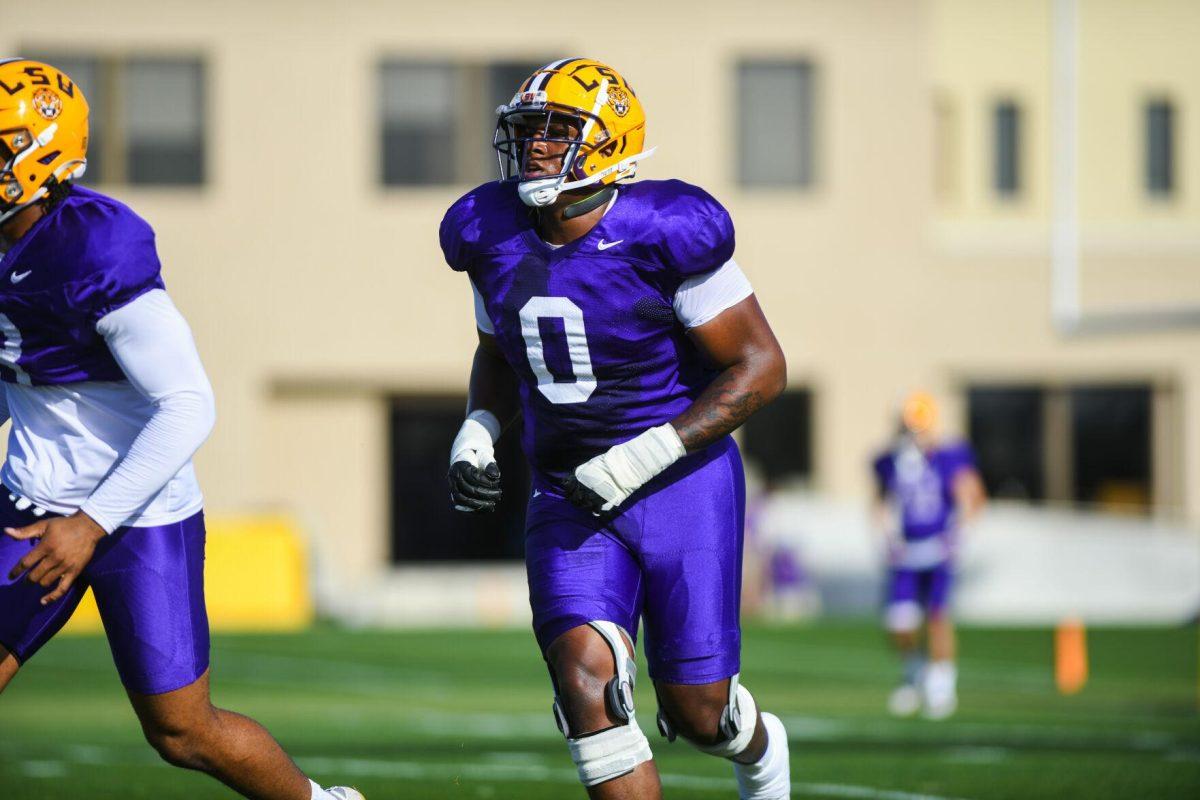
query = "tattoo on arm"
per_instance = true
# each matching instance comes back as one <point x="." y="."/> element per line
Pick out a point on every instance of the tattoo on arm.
<point x="720" y="409"/>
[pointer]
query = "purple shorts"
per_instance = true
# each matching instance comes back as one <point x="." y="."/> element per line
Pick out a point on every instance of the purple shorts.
<point x="149" y="586"/>
<point x="916" y="593"/>
<point x="672" y="555"/>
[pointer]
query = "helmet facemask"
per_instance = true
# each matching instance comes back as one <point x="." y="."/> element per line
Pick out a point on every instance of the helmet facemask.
<point x="14" y="146"/>
<point x="522" y="127"/>
<point x="17" y="145"/>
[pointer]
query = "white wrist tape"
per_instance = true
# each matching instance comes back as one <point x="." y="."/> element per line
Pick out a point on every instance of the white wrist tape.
<point x="476" y="439"/>
<point x="626" y="467"/>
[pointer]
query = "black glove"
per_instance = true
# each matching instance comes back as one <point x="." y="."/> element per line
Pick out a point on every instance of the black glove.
<point x="474" y="489"/>
<point x="583" y="497"/>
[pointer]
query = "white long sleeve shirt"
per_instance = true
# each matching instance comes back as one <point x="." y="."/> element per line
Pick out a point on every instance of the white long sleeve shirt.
<point x="121" y="451"/>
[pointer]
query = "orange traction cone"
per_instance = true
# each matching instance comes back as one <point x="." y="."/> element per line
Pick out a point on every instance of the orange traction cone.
<point x="1070" y="656"/>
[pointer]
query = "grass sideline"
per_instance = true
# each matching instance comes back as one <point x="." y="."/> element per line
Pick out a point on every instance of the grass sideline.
<point x="466" y="714"/>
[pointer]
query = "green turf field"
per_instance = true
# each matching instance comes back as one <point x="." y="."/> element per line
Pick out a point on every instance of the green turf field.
<point x="466" y="715"/>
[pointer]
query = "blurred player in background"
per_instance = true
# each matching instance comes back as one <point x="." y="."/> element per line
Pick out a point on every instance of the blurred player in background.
<point x="108" y="402"/>
<point x="926" y="490"/>
<point x="636" y="346"/>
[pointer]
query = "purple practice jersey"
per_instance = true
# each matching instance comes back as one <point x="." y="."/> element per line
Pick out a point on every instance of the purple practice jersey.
<point x="88" y="256"/>
<point x="921" y="483"/>
<point x="589" y="327"/>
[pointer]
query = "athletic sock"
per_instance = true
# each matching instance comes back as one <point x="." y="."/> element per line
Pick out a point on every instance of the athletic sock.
<point x="318" y="793"/>
<point x="769" y="778"/>
<point x="914" y="665"/>
<point x="941" y="679"/>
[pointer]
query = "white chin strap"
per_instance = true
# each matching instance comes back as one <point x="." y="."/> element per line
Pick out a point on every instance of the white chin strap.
<point x="542" y="192"/>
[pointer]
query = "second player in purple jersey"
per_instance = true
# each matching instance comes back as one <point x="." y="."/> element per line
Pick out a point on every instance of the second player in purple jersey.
<point x="920" y="483"/>
<point x="613" y="316"/>
<point x="925" y="490"/>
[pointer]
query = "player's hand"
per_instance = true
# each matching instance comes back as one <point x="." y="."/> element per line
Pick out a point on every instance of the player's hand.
<point x="583" y="496"/>
<point x="474" y="475"/>
<point x="602" y="483"/>
<point x="472" y="488"/>
<point x="66" y="547"/>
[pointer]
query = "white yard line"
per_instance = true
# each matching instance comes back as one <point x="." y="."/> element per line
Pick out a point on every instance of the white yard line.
<point x="43" y="769"/>
<point x="412" y="770"/>
<point x="530" y="772"/>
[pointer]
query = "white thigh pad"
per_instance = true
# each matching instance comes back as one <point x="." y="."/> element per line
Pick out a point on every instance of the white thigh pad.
<point x="600" y="757"/>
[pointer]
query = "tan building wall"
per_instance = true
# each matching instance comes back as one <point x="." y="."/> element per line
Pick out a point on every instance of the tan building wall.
<point x="314" y="292"/>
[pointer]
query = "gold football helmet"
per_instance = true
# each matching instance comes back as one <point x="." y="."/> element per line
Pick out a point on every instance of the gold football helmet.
<point x="43" y="132"/>
<point x="583" y="104"/>
<point x="919" y="412"/>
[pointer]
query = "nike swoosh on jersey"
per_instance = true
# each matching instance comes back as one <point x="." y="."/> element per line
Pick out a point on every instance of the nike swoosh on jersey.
<point x="17" y="277"/>
<point x="603" y="245"/>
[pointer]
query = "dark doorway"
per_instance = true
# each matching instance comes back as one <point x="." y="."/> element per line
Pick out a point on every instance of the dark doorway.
<point x="1111" y="430"/>
<point x="778" y="438"/>
<point x="424" y="527"/>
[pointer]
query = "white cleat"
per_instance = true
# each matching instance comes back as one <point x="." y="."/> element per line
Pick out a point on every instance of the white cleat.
<point x="345" y="793"/>
<point x="904" y="701"/>
<point x="941" y="707"/>
<point x="771" y="777"/>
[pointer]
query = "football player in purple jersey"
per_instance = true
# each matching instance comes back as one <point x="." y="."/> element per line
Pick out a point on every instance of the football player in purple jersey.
<point x="613" y="317"/>
<point x="108" y="402"/>
<point x="926" y="489"/>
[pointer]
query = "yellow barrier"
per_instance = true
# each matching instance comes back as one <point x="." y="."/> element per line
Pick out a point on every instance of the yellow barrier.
<point x="255" y="578"/>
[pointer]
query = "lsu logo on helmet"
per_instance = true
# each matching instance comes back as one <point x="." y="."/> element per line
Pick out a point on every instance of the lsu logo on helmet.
<point x="47" y="103"/>
<point x="43" y="132"/>
<point x="603" y="120"/>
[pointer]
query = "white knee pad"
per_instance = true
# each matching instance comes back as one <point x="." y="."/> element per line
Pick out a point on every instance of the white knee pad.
<point x="903" y="616"/>
<point x="609" y="754"/>
<point x="738" y="721"/>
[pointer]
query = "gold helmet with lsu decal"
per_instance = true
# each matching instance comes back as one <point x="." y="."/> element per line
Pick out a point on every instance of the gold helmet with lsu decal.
<point x="919" y="412"/>
<point x="43" y="132"/>
<point x="583" y="104"/>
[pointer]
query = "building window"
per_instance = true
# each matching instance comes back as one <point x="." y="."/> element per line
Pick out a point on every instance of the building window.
<point x="424" y="526"/>
<point x="1006" y="148"/>
<point x="1006" y="431"/>
<point x="147" y="121"/>
<point x="778" y="439"/>
<point x="1087" y="445"/>
<point x="776" y="125"/>
<point x="438" y="119"/>
<point x="1111" y="432"/>
<point x="163" y="117"/>
<point x="418" y="105"/>
<point x="1160" y="148"/>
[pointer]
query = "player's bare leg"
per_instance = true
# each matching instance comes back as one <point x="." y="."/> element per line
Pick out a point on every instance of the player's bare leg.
<point x="941" y="674"/>
<point x="942" y="644"/>
<point x="696" y="712"/>
<point x="8" y="667"/>
<point x="189" y="732"/>
<point x="583" y="665"/>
